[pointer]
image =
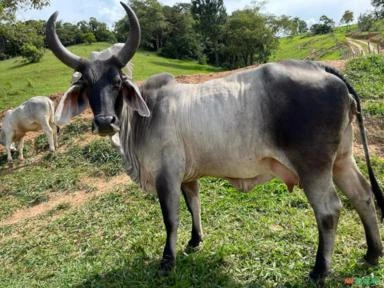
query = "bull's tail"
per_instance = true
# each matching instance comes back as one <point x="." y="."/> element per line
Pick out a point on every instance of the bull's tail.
<point x="359" y="116"/>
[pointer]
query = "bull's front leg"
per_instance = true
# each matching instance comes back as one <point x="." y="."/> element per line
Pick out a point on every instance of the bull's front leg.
<point x="8" y="146"/>
<point x="168" y="191"/>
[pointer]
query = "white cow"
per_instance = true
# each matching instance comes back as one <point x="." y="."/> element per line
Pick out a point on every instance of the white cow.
<point x="32" y="115"/>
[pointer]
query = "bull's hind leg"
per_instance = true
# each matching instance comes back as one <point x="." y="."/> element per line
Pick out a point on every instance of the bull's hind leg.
<point x="191" y="195"/>
<point x="350" y="181"/>
<point x="321" y="193"/>
<point x="21" y="148"/>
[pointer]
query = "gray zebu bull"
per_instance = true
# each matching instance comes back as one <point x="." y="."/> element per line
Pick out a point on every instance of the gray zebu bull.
<point x="94" y="56"/>
<point x="32" y="115"/>
<point x="290" y="120"/>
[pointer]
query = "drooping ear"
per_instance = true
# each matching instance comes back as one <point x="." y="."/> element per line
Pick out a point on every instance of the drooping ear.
<point x="132" y="95"/>
<point x="72" y="103"/>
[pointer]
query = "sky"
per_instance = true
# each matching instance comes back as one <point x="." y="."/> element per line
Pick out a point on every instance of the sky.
<point x="110" y="11"/>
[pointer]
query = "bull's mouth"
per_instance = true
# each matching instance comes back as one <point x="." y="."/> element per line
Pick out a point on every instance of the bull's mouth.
<point x="105" y="130"/>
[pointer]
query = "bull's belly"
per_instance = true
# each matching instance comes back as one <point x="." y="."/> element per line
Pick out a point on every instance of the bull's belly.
<point x="246" y="174"/>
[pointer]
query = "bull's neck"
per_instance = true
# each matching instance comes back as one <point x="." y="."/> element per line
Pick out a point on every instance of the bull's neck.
<point x="129" y="153"/>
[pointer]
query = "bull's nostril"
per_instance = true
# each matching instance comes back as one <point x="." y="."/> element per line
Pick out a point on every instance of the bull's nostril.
<point x="105" y="125"/>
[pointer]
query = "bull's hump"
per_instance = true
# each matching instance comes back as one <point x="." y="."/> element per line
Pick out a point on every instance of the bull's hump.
<point x="158" y="81"/>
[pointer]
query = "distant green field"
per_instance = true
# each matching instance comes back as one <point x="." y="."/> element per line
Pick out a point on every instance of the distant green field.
<point x="19" y="82"/>
<point x="330" y="46"/>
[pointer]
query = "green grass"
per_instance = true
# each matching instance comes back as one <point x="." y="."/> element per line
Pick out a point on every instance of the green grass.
<point x="330" y="46"/>
<point x="19" y="82"/>
<point x="367" y="76"/>
<point x="266" y="238"/>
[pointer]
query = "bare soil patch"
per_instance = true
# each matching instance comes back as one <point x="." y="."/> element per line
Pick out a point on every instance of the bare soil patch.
<point x="73" y="199"/>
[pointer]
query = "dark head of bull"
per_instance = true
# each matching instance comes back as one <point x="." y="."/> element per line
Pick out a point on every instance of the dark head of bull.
<point x="102" y="84"/>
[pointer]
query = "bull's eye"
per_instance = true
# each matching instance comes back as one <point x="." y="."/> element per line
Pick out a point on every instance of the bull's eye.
<point x="116" y="83"/>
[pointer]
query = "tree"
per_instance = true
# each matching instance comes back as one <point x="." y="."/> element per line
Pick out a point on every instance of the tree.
<point x="210" y="17"/>
<point x="248" y="39"/>
<point x="287" y="26"/>
<point x="9" y="7"/>
<point x="325" y="26"/>
<point x="152" y="21"/>
<point x="100" y="31"/>
<point x="88" y="37"/>
<point x="69" y="33"/>
<point x="31" y="53"/>
<point x="327" y="21"/>
<point x="300" y="26"/>
<point x="379" y="8"/>
<point x="182" y="40"/>
<point x="21" y="37"/>
<point x="281" y="25"/>
<point x="347" y="17"/>
<point x="14" y="35"/>
<point x="366" y="22"/>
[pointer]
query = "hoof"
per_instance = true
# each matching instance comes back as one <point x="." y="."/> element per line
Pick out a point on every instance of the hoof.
<point x="166" y="267"/>
<point x="372" y="258"/>
<point x="189" y="249"/>
<point x="318" y="278"/>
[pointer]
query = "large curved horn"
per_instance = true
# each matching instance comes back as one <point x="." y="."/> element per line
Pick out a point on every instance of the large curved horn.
<point x="58" y="48"/>
<point x="133" y="40"/>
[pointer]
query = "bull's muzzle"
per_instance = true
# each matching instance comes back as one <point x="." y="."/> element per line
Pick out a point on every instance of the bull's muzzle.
<point x="105" y="125"/>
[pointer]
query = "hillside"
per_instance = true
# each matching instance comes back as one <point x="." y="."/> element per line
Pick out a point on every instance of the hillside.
<point x="332" y="46"/>
<point x="344" y="43"/>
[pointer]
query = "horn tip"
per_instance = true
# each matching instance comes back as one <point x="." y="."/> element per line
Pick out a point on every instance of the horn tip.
<point x="54" y="16"/>
<point x="125" y="6"/>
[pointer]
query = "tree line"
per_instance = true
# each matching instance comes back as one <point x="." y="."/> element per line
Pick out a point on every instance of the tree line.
<point x="200" y="30"/>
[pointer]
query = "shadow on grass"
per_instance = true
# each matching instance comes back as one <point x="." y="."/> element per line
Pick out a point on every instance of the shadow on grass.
<point x="196" y="270"/>
<point x="19" y="65"/>
<point x="203" y="270"/>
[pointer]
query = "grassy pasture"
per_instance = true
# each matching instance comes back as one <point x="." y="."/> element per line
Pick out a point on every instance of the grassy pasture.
<point x="264" y="238"/>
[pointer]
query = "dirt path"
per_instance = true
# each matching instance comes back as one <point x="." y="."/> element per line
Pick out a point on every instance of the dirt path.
<point x="362" y="47"/>
<point x="73" y="199"/>
<point x="356" y="47"/>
